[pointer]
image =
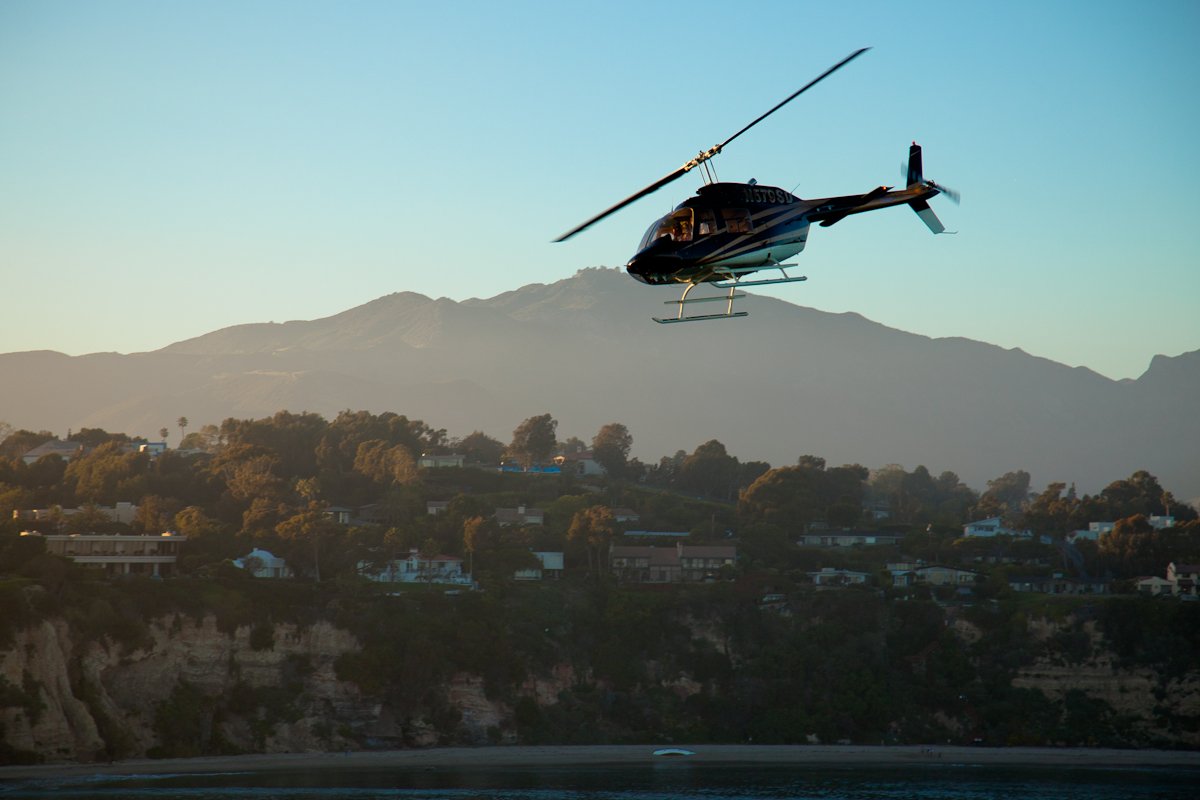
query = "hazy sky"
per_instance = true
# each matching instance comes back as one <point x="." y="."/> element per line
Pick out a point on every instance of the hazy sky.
<point x="167" y="169"/>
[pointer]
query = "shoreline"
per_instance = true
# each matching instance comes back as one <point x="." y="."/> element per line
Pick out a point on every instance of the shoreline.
<point x="625" y="755"/>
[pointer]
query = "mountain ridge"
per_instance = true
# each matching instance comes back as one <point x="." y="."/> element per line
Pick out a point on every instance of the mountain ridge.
<point x="787" y="381"/>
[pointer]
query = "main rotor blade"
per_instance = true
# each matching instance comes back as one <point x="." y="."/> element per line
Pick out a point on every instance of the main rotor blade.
<point x="654" y="187"/>
<point x="797" y="93"/>
<point x="706" y="155"/>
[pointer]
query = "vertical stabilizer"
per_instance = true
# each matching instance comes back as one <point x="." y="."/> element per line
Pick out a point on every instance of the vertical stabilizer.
<point x="915" y="174"/>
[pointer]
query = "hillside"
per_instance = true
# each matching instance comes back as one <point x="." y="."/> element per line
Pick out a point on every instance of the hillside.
<point x="789" y="380"/>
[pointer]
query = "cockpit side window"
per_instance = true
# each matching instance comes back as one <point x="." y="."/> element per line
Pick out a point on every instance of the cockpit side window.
<point x="737" y="220"/>
<point x="706" y="222"/>
<point x="681" y="225"/>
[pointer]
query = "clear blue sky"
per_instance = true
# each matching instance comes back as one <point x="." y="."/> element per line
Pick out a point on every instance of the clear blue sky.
<point x="167" y="169"/>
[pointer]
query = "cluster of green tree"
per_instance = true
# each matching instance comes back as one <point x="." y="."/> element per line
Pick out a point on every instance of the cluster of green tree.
<point x="271" y="483"/>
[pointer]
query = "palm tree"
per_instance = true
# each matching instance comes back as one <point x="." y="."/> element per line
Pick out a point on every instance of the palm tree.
<point x="182" y="422"/>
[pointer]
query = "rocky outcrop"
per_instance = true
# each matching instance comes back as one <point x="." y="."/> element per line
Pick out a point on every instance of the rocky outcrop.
<point x="97" y="698"/>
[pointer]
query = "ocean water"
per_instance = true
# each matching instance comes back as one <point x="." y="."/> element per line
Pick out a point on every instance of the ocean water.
<point x="667" y="781"/>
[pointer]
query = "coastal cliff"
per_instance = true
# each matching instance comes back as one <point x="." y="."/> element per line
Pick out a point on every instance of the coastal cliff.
<point x="189" y="684"/>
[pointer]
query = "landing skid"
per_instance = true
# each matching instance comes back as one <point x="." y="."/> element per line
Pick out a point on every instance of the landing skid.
<point x="684" y="301"/>
<point x="731" y="280"/>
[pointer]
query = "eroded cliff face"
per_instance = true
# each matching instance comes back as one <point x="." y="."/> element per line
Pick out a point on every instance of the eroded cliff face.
<point x="101" y="700"/>
<point x="190" y="684"/>
<point x="1134" y="693"/>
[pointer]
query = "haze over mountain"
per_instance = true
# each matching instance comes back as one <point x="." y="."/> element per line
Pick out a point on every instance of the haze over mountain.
<point x="785" y="382"/>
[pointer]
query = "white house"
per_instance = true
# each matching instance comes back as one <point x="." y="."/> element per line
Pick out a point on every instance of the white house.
<point x="1184" y="577"/>
<point x="264" y="564"/>
<point x="1159" y="523"/>
<point x="1154" y="585"/>
<point x="418" y="569"/>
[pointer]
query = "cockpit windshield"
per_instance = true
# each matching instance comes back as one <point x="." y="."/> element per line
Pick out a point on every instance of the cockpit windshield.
<point x="678" y="225"/>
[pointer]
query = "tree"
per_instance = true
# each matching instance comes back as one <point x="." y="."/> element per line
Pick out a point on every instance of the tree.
<point x="182" y="422"/>
<point x="1004" y="496"/>
<point x="474" y="530"/>
<point x="534" y="440"/>
<point x="594" y="528"/>
<point x="162" y="434"/>
<point x="308" y="538"/>
<point x="789" y="497"/>
<point x="710" y="470"/>
<point x="479" y="448"/>
<point x="208" y="439"/>
<point x="385" y="465"/>
<point x="1134" y="548"/>
<point x="610" y="449"/>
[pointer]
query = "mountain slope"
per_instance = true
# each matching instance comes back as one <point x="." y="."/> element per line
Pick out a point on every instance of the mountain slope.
<point x="787" y="381"/>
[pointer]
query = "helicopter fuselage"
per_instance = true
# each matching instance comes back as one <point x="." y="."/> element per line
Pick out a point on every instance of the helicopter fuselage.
<point x="742" y="226"/>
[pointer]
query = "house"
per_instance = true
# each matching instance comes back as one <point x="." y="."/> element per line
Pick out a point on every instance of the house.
<point x="992" y="527"/>
<point x="418" y="569"/>
<point x="439" y="462"/>
<point x="122" y="512"/>
<point x="551" y="567"/>
<point x="1184" y="577"/>
<point x="339" y="514"/>
<point x="582" y="464"/>
<point x="519" y="516"/>
<point x="435" y="507"/>
<point x="683" y="562"/>
<point x="1155" y="586"/>
<point x="64" y="450"/>
<point x="847" y="538"/>
<point x="1161" y="522"/>
<point x="117" y="554"/>
<point x="902" y="572"/>
<point x="658" y="534"/>
<point x="1101" y="528"/>
<point x="699" y="562"/>
<point x="626" y="515"/>
<point x="264" y="564"/>
<point x="152" y="449"/>
<point x="939" y="575"/>
<point x="829" y="577"/>
<point x="1055" y="584"/>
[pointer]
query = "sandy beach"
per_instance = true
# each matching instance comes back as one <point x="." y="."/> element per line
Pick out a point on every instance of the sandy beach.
<point x="557" y="756"/>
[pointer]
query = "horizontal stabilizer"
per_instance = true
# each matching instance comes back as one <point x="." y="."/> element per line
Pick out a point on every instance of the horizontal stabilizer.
<point x="836" y="217"/>
<point x="927" y="216"/>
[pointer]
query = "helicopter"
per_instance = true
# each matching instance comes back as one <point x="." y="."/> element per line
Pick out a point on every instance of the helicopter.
<point x="729" y="231"/>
